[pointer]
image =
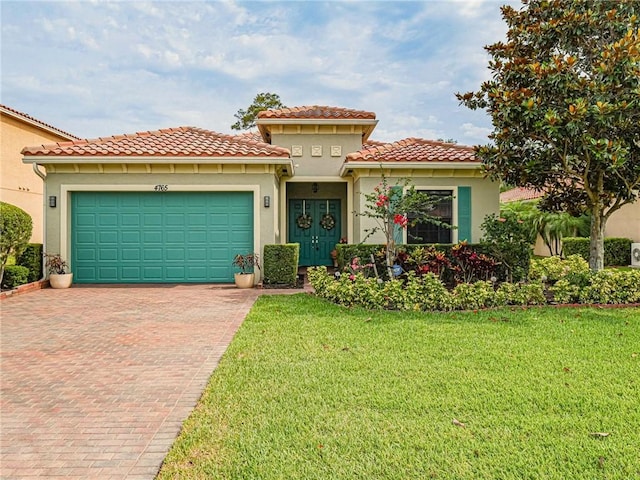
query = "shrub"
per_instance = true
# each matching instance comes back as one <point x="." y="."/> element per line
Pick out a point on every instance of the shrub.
<point x="32" y="259"/>
<point x="470" y="265"/>
<point x="424" y="292"/>
<point x="14" y="276"/>
<point x="565" y="292"/>
<point x="617" y="251"/>
<point x="472" y="296"/>
<point x="612" y="286"/>
<point x="555" y="268"/>
<point x="281" y="264"/>
<point x="508" y="242"/>
<point x="15" y="230"/>
<point x="576" y="246"/>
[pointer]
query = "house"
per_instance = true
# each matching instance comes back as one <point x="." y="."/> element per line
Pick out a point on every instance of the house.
<point x="20" y="185"/>
<point x="175" y="205"/>
<point x="623" y="223"/>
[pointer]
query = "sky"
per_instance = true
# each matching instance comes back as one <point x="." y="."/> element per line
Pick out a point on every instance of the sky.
<point x="101" y="68"/>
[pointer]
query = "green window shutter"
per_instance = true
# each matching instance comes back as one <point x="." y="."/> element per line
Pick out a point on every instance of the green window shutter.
<point x="464" y="214"/>
<point x="397" y="229"/>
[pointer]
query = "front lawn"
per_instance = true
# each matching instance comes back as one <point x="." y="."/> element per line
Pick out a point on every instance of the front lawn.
<point x="311" y="390"/>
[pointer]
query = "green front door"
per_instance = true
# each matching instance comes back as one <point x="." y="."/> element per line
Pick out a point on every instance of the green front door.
<point x="315" y="225"/>
<point x="159" y="237"/>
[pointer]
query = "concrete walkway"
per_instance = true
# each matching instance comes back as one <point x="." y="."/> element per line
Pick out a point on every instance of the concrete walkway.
<point x="96" y="381"/>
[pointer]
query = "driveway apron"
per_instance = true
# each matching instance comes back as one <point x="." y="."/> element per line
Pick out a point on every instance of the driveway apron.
<point x="96" y="381"/>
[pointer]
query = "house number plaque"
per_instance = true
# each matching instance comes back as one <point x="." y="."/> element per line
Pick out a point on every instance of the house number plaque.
<point x="161" y="188"/>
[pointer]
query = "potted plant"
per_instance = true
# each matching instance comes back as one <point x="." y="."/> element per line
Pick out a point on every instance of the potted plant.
<point x="58" y="276"/>
<point x="246" y="263"/>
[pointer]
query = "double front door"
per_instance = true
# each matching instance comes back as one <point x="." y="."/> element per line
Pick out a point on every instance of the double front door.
<point x="315" y="225"/>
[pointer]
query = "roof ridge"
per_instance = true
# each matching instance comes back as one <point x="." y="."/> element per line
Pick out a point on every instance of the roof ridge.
<point x="26" y="116"/>
<point x="181" y="141"/>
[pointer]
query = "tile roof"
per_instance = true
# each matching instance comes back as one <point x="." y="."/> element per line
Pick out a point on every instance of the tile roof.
<point x="413" y="150"/>
<point x="317" y="112"/>
<point x="28" y="118"/>
<point x="519" y="194"/>
<point x="170" y="142"/>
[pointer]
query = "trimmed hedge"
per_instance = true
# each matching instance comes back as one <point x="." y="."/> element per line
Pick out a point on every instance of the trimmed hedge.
<point x="617" y="251"/>
<point x="281" y="264"/>
<point x="32" y="259"/>
<point x="14" y="276"/>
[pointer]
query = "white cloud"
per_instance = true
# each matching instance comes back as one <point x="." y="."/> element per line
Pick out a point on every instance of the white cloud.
<point x="113" y="67"/>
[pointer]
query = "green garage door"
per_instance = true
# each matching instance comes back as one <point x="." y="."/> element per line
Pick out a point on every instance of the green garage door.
<point x="159" y="237"/>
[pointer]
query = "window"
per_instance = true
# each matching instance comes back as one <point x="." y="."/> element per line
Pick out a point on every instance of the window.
<point x="428" y="232"/>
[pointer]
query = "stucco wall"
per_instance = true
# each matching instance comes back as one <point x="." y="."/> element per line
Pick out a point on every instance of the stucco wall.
<point x="625" y="223"/>
<point x="484" y="200"/>
<point x="325" y="164"/>
<point x="58" y="235"/>
<point x="19" y="185"/>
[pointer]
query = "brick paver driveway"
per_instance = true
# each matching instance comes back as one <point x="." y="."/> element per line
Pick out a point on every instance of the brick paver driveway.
<point x="97" y="381"/>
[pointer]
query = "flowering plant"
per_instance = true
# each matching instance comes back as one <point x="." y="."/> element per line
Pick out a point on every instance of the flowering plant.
<point x="396" y="207"/>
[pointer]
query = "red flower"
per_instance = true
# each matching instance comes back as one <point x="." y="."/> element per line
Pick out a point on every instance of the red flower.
<point x="400" y="220"/>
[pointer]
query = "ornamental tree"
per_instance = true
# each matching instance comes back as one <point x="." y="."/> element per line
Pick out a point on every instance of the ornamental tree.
<point x="564" y="98"/>
<point x="262" y="101"/>
<point x="389" y="206"/>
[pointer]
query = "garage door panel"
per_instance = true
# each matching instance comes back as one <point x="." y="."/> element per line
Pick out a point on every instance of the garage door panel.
<point x="130" y="219"/>
<point x="107" y="254"/>
<point x="131" y="274"/>
<point x="152" y="220"/>
<point x="108" y="273"/>
<point x="152" y="254"/>
<point x="86" y="219"/>
<point x="132" y="236"/>
<point x="139" y="237"/>
<point x="107" y="220"/>
<point x="132" y="254"/>
<point x="108" y="236"/>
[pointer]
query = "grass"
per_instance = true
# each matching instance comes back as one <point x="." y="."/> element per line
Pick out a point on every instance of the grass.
<point x="309" y="390"/>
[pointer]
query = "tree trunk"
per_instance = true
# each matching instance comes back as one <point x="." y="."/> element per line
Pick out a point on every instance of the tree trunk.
<point x="596" y="244"/>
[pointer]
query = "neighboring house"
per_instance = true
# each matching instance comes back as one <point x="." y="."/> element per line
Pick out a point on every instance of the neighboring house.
<point x="19" y="184"/>
<point x="624" y="223"/>
<point x="176" y="205"/>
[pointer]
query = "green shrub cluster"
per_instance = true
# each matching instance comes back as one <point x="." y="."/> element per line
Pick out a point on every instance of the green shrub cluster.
<point x="15" y="230"/>
<point x="428" y="293"/>
<point x="31" y="258"/>
<point x="604" y="287"/>
<point x="552" y="269"/>
<point x="419" y="293"/>
<point x="617" y="251"/>
<point x="14" y="276"/>
<point x="508" y="240"/>
<point x="281" y="264"/>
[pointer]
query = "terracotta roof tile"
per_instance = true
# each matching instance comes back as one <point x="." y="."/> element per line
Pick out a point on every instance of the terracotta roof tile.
<point x="31" y="119"/>
<point x="519" y="194"/>
<point x="413" y="150"/>
<point x="172" y="142"/>
<point x="318" y="112"/>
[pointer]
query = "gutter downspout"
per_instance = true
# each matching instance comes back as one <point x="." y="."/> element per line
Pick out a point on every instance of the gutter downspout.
<point x="44" y="213"/>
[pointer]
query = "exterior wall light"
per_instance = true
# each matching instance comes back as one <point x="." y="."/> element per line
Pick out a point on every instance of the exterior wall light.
<point x="267" y="201"/>
<point x="52" y="201"/>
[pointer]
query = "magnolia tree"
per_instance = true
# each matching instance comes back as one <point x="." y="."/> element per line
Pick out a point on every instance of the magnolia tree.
<point x="394" y="208"/>
<point x="564" y="97"/>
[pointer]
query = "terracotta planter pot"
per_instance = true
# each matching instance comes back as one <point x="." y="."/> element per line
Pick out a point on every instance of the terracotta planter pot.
<point x="245" y="280"/>
<point x="60" y="280"/>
